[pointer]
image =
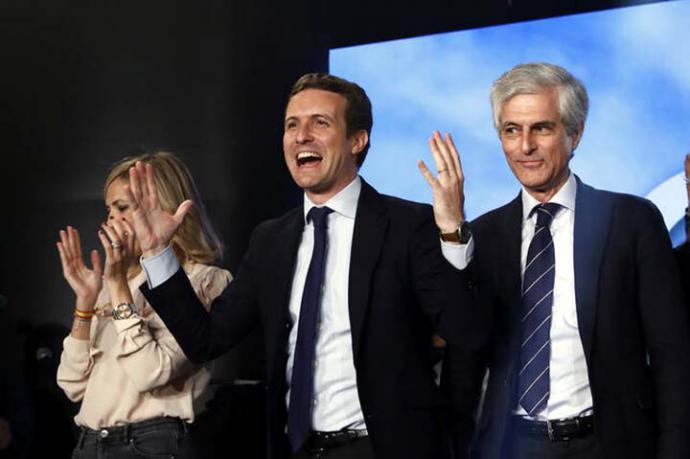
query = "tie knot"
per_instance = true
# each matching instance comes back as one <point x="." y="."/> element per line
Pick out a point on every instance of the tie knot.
<point x="318" y="215"/>
<point x="545" y="213"/>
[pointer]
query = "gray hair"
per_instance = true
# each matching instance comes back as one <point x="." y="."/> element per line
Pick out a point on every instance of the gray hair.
<point x="531" y="78"/>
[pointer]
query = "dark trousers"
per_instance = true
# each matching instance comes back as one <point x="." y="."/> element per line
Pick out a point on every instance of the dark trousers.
<point x="526" y="446"/>
<point x="358" y="449"/>
<point x="153" y="438"/>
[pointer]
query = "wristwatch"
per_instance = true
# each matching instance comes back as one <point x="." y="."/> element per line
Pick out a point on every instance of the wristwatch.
<point x="461" y="235"/>
<point x="123" y="311"/>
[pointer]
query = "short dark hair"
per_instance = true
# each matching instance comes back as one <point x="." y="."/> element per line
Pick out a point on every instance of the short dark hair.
<point x="358" y="110"/>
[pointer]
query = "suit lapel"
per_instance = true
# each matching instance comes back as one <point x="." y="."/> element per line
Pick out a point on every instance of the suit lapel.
<point x="511" y="228"/>
<point x="367" y="240"/>
<point x="283" y="256"/>
<point x="509" y="273"/>
<point x="592" y="220"/>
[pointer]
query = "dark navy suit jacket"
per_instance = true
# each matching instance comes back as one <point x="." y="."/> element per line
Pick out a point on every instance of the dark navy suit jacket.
<point x="400" y="289"/>
<point x="631" y="320"/>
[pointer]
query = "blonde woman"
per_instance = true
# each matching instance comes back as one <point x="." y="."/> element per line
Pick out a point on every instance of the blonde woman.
<point x="136" y="386"/>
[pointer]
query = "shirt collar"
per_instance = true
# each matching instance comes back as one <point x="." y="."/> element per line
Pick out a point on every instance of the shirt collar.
<point x="565" y="197"/>
<point x="343" y="203"/>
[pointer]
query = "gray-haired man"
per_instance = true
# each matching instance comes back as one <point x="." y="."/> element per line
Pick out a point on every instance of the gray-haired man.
<point x="589" y="355"/>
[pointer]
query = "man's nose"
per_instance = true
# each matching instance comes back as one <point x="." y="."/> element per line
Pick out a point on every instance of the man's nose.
<point x="528" y="144"/>
<point x="303" y="134"/>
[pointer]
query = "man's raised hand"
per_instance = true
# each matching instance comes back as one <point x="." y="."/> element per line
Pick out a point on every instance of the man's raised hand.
<point x="153" y="226"/>
<point x="447" y="186"/>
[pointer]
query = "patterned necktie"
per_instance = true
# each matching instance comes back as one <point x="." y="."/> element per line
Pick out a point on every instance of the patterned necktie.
<point x="302" y="383"/>
<point x="537" y="299"/>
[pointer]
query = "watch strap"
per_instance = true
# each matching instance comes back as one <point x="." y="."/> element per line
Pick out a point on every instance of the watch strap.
<point x="461" y="235"/>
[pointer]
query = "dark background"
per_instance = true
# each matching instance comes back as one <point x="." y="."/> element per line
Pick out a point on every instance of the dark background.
<point x="83" y="84"/>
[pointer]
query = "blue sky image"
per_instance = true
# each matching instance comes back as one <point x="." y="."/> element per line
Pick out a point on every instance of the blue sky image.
<point x="634" y="61"/>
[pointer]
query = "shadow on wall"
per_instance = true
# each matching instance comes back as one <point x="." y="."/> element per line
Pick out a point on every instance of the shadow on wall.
<point x="35" y="416"/>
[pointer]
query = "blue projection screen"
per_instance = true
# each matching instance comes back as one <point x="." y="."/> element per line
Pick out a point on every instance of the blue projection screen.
<point x="634" y="61"/>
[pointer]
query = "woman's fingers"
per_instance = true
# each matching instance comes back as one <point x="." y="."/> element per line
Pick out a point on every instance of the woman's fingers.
<point x="64" y="245"/>
<point x="121" y="246"/>
<point x="129" y="231"/>
<point x="74" y="251"/>
<point x="107" y="245"/>
<point x="63" y="258"/>
<point x="119" y="230"/>
<point x="70" y="243"/>
<point x="129" y="237"/>
<point x="96" y="263"/>
<point x="76" y="241"/>
<point x="113" y="236"/>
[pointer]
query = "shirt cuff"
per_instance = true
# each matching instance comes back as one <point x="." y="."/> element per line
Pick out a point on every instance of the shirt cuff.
<point x="458" y="255"/>
<point x="160" y="267"/>
<point x="74" y="346"/>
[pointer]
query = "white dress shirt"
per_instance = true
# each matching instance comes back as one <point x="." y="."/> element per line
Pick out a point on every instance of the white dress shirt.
<point x="336" y="400"/>
<point x="570" y="392"/>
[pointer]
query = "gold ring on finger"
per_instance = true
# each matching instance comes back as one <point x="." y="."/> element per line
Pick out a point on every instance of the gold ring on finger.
<point x="440" y="171"/>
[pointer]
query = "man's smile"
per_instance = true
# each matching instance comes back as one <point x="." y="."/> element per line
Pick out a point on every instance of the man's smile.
<point x="308" y="158"/>
<point x="531" y="163"/>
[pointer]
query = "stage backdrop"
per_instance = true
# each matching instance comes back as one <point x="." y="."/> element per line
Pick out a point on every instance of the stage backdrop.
<point x="634" y="61"/>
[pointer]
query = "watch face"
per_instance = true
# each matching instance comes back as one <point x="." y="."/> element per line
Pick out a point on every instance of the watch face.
<point x="123" y="311"/>
<point x="465" y="233"/>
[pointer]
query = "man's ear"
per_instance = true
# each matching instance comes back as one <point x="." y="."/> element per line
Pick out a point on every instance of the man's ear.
<point x="358" y="141"/>
<point x="576" y="137"/>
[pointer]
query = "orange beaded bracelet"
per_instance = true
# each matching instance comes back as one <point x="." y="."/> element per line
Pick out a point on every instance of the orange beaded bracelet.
<point x="84" y="315"/>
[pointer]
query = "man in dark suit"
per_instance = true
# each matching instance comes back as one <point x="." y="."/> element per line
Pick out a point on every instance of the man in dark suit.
<point x="348" y="289"/>
<point x="589" y="355"/>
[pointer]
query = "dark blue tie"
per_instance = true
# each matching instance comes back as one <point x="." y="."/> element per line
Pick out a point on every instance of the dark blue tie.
<point x="302" y="383"/>
<point x="537" y="299"/>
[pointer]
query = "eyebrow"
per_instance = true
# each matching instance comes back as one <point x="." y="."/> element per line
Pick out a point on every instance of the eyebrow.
<point x="547" y="123"/>
<point x="312" y="115"/>
<point x="117" y="201"/>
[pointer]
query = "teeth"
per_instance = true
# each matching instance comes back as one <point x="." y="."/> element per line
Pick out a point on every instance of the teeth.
<point x="307" y="154"/>
<point x="307" y="157"/>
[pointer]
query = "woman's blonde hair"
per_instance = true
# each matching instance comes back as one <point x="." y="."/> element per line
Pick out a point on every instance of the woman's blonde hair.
<point x="195" y="239"/>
